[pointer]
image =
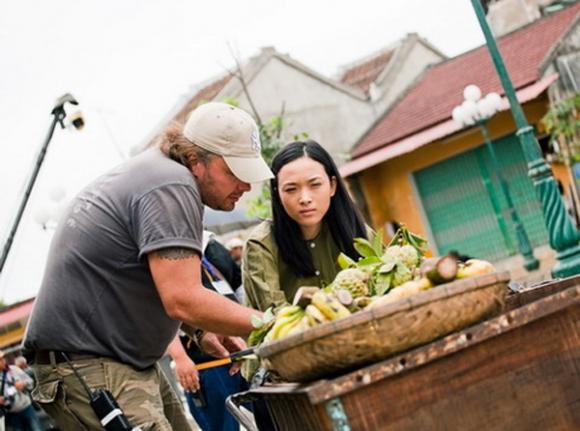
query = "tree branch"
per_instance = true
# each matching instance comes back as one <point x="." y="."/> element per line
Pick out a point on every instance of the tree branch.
<point x="240" y="76"/>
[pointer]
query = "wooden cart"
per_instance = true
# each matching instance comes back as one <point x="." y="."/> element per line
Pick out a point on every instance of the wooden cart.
<point x="517" y="371"/>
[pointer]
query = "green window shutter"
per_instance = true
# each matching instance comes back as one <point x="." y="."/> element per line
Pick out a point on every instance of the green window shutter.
<point x="460" y="208"/>
<point x="515" y="171"/>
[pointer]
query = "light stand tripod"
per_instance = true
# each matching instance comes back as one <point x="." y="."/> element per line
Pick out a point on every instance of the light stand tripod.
<point x="59" y="115"/>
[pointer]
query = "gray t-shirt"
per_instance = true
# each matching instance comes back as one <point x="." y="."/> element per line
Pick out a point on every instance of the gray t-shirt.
<point x="98" y="295"/>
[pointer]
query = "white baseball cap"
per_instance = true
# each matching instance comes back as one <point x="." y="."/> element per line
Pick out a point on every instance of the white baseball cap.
<point x="233" y="243"/>
<point x="231" y="133"/>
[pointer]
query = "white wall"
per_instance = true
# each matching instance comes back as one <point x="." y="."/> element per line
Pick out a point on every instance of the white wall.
<point x="332" y="117"/>
<point x="567" y="64"/>
<point x="405" y="73"/>
<point x="506" y="16"/>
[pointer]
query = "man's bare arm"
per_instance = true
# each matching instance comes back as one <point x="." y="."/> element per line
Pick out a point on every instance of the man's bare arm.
<point x="177" y="276"/>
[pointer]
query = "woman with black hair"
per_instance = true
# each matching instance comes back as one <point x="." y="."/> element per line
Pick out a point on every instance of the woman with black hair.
<point x="314" y="220"/>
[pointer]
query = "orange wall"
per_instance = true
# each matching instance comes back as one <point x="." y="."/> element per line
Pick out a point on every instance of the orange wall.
<point x="388" y="187"/>
<point x="13" y="337"/>
<point x="562" y="173"/>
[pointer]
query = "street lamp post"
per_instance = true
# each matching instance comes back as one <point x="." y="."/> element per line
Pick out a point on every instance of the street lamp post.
<point x="563" y="235"/>
<point x="476" y="110"/>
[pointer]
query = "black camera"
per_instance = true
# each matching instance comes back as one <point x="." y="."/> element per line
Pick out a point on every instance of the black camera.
<point x="109" y="413"/>
<point x="103" y="404"/>
<point x="77" y="120"/>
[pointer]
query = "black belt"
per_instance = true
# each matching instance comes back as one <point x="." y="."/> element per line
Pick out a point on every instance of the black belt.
<point x="42" y="357"/>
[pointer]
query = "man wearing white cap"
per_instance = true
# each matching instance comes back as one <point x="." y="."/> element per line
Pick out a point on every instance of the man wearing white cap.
<point x="124" y="272"/>
<point x="236" y="247"/>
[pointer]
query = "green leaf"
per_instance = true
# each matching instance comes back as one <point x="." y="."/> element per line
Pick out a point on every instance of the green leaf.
<point x="382" y="284"/>
<point x="260" y="206"/>
<point x="231" y="101"/>
<point x="418" y="242"/>
<point x="328" y="289"/>
<point x="378" y="242"/>
<point x="258" y="335"/>
<point x="561" y="122"/>
<point x="387" y="267"/>
<point x="364" y="247"/>
<point x="256" y="321"/>
<point x="401" y="267"/>
<point x="345" y="261"/>
<point x="268" y="315"/>
<point x="371" y="260"/>
<point x="397" y="237"/>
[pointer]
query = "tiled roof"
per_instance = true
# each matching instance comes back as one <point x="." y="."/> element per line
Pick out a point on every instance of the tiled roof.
<point x="363" y="74"/>
<point x="16" y="312"/>
<point x="206" y="94"/>
<point x="440" y="89"/>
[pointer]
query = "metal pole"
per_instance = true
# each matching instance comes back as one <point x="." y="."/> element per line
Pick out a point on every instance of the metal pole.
<point x="530" y="262"/>
<point x="563" y="235"/>
<point x="494" y="200"/>
<point x="59" y="114"/>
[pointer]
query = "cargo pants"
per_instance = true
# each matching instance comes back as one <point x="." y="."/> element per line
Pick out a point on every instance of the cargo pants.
<point x="145" y="396"/>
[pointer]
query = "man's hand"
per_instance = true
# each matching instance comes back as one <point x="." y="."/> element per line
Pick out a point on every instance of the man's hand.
<point x="221" y="346"/>
<point x="19" y="385"/>
<point x="2" y="401"/>
<point x="187" y="374"/>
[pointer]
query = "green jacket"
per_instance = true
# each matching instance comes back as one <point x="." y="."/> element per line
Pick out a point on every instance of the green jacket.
<point x="268" y="280"/>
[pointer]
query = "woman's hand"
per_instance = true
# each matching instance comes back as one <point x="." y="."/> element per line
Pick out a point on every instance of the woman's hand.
<point x="185" y="369"/>
<point x="187" y="374"/>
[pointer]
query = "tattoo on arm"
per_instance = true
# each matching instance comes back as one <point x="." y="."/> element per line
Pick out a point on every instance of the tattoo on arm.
<point x="176" y="253"/>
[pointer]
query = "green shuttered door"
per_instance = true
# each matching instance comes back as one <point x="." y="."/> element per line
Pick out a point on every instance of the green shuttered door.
<point x="461" y="198"/>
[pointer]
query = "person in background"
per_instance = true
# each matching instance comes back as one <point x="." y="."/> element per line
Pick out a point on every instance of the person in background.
<point x="22" y="363"/>
<point x="206" y="391"/>
<point x="15" y="398"/>
<point x="236" y="248"/>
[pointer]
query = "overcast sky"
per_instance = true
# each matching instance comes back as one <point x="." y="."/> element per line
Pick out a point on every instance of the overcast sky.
<point x="129" y="61"/>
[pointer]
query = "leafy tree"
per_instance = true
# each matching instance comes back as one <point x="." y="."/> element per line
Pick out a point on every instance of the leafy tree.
<point x="270" y="136"/>
<point x="562" y="122"/>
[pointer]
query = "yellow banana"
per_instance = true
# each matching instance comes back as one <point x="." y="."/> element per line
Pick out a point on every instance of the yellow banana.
<point x="286" y="327"/>
<point x="268" y="337"/>
<point x="405" y="290"/>
<point x="284" y="321"/>
<point x="361" y="302"/>
<point x="315" y="316"/>
<point x="288" y="310"/>
<point x="329" y="306"/>
<point x="300" y="325"/>
<point x="474" y="267"/>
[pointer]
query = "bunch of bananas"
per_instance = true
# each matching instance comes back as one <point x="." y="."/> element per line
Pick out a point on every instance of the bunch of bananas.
<point x="292" y="319"/>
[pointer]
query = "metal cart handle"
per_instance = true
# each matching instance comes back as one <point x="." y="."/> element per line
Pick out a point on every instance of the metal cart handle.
<point x="233" y="404"/>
